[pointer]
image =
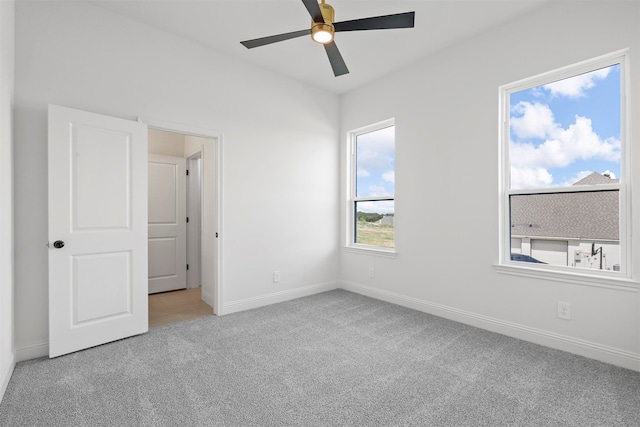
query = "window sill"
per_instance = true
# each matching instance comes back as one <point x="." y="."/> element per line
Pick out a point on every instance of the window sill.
<point x="597" y="280"/>
<point x="372" y="250"/>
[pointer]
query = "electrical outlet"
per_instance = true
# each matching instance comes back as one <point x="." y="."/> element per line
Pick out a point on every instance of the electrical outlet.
<point x="276" y="276"/>
<point x="564" y="310"/>
<point x="372" y="272"/>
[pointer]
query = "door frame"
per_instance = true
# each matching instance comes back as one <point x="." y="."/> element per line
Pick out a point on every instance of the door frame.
<point x="211" y="208"/>
<point x="190" y="256"/>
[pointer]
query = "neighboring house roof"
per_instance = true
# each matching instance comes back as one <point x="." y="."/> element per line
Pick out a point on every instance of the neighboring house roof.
<point x="584" y="215"/>
<point x="595" y="178"/>
<point x="388" y="220"/>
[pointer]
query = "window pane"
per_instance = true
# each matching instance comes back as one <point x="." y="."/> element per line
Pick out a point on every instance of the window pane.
<point x="578" y="229"/>
<point x="567" y="134"/>
<point x="375" y="163"/>
<point x="375" y="222"/>
<point x="563" y="132"/>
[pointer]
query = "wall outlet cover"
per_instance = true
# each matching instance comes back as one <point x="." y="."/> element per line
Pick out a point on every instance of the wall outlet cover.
<point x="564" y="310"/>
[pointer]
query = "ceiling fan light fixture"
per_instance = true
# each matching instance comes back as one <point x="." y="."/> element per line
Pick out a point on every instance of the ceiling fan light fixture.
<point x="323" y="28"/>
<point x="322" y="33"/>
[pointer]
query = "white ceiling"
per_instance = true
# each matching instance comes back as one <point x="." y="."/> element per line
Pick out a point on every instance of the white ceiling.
<point x="222" y="24"/>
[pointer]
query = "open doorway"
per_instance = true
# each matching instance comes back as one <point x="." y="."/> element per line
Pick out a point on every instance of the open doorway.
<point x="177" y="285"/>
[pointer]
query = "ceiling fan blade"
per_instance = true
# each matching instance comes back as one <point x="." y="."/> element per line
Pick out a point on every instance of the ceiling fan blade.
<point x="398" y="20"/>
<point x="274" y="39"/>
<point x="314" y="10"/>
<point x="335" y="58"/>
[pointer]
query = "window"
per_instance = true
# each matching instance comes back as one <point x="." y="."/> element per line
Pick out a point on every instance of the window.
<point x="372" y="195"/>
<point x="563" y="180"/>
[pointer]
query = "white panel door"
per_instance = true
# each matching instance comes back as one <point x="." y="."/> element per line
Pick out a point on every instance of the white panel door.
<point x="167" y="223"/>
<point x="554" y="252"/>
<point x="97" y="229"/>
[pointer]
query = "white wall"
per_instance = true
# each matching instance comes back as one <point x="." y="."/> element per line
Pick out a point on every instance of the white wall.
<point x="193" y="145"/>
<point x="166" y="143"/>
<point x="6" y="192"/>
<point x="446" y="112"/>
<point x="280" y="158"/>
<point x="280" y="148"/>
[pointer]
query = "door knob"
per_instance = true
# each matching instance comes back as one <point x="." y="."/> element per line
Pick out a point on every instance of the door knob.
<point x="58" y="244"/>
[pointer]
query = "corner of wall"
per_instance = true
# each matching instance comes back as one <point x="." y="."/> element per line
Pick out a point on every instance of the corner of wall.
<point x="5" y="377"/>
<point x="276" y="297"/>
<point x="7" y="66"/>
<point x="32" y="351"/>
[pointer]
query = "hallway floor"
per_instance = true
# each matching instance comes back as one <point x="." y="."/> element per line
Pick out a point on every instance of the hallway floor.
<point x="176" y="306"/>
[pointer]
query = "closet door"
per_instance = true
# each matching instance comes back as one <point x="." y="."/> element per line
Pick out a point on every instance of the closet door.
<point x="167" y="223"/>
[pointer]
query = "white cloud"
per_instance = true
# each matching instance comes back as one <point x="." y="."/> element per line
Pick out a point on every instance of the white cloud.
<point x="575" y="87"/>
<point x="565" y="146"/>
<point x="381" y="206"/>
<point x="562" y="147"/>
<point x="534" y="121"/>
<point x="373" y="161"/>
<point x="540" y="144"/>
<point x="523" y="177"/>
<point x="377" y="191"/>
<point x="363" y="173"/>
<point x="389" y="176"/>
<point x="376" y="150"/>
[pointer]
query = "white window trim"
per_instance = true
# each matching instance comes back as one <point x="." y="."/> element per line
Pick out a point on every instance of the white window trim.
<point x="618" y="280"/>
<point x="350" y="245"/>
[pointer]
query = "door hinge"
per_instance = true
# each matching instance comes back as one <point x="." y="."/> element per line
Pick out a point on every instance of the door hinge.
<point x="187" y="219"/>
<point x="216" y="235"/>
<point x="187" y="266"/>
<point x="187" y="172"/>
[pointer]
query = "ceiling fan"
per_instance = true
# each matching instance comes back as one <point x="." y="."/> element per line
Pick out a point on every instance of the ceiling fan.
<point x="323" y="28"/>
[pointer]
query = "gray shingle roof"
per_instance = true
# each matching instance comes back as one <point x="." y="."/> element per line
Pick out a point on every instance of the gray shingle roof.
<point x="586" y="215"/>
<point x="594" y="178"/>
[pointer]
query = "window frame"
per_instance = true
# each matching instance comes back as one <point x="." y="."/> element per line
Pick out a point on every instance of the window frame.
<point x="622" y="278"/>
<point x="352" y="167"/>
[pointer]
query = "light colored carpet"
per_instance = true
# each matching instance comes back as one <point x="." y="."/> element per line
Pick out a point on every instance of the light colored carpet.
<point x="331" y="359"/>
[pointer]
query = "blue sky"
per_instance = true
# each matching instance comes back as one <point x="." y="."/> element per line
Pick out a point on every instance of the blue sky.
<point x="375" y="157"/>
<point x="565" y="130"/>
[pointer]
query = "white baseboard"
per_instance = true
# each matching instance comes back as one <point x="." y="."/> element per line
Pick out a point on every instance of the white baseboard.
<point x="262" y="300"/>
<point x="6" y="375"/>
<point x="603" y="353"/>
<point x="207" y="297"/>
<point x="32" y="351"/>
